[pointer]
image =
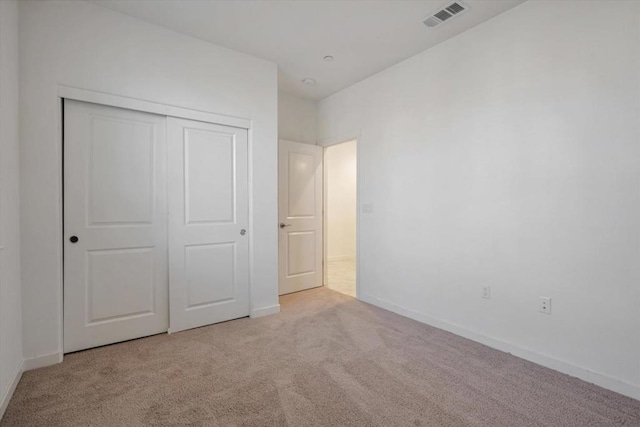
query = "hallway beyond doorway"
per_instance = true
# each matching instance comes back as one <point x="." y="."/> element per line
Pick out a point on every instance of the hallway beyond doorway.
<point x="342" y="275"/>
<point x="340" y="207"/>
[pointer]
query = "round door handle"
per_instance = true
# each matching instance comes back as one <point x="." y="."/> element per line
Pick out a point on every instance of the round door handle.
<point x="283" y="225"/>
<point x="243" y="232"/>
<point x="73" y="239"/>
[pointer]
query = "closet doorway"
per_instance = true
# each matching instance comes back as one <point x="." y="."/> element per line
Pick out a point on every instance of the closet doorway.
<point x="155" y="224"/>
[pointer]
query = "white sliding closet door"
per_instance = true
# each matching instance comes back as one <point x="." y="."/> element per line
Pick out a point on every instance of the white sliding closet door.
<point x="115" y="225"/>
<point x="208" y="223"/>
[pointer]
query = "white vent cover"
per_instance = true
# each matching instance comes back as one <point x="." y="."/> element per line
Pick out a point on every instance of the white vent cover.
<point x="448" y="12"/>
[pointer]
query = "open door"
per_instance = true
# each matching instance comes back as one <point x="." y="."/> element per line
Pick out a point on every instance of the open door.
<point x="300" y="216"/>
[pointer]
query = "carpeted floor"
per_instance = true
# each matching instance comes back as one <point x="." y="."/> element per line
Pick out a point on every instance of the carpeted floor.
<point x="327" y="359"/>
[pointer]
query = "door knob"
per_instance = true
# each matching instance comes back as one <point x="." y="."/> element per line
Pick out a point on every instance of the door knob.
<point x="243" y="232"/>
<point x="73" y="239"/>
<point x="283" y="225"/>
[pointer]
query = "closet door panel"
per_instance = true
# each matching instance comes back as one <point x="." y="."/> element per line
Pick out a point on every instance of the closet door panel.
<point x="209" y="223"/>
<point x="115" y="225"/>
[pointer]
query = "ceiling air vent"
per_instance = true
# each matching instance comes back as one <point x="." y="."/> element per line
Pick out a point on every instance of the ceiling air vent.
<point x="451" y="10"/>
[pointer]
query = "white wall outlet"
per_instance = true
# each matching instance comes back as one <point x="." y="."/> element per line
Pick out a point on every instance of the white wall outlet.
<point x="544" y="305"/>
<point x="367" y="208"/>
<point x="486" y="292"/>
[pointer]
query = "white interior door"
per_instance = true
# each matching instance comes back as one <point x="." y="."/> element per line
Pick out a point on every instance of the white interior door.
<point x="115" y="227"/>
<point x="208" y="223"/>
<point x="300" y="214"/>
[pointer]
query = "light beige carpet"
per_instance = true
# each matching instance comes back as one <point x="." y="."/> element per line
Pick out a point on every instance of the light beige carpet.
<point x="327" y="360"/>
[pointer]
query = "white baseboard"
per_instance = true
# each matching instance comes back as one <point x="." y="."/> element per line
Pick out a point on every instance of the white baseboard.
<point x="584" y="374"/>
<point x="265" y="311"/>
<point x="4" y="402"/>
<point x="42" y="361"/>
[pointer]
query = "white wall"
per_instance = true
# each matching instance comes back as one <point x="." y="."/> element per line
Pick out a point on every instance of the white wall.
<point x="10" y="304"/>
<point x="296" y="118"/>
<point x="509" y="156"/>
<point x="82" y="45"/>
<point x="340" y="167"/>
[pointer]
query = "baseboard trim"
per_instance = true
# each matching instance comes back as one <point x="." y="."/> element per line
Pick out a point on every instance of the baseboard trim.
<point x="4" y="402"/>
<point x="265" y="311"/>
<point x="42" y="361"/>
<point x="584" y="374"/>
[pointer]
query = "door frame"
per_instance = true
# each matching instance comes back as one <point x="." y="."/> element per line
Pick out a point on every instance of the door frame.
<point x="326" y="143"/>
<point x="111" y="100"/>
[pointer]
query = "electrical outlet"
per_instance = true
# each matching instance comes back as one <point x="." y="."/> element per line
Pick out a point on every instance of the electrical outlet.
<point x="486" y="292"/>
<point x="544" y="305"/>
